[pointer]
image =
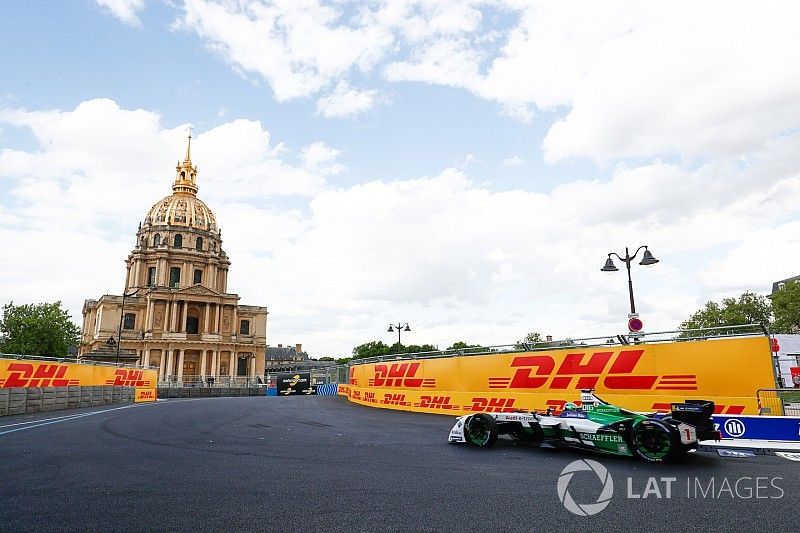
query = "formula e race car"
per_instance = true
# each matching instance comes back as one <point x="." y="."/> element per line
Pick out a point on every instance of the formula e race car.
<point x="597" y="426"/>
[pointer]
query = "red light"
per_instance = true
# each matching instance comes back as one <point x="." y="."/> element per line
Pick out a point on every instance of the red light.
<point x="635" y="324"/>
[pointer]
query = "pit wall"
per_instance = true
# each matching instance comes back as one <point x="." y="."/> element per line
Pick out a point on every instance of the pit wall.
<point x="34" y="386"/>
<point x="644" y="377"/>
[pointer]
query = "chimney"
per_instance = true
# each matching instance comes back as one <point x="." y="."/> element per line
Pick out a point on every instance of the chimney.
<point x="549" y="338"/>
<point x="298" y="348"/>
<point x="280" y="346"/>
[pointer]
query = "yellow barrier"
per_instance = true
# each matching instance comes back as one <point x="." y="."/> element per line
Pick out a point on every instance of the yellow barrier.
<point x="29" y="373"/>
<point x="145" y="395"/>
<point x="642" y="377"/>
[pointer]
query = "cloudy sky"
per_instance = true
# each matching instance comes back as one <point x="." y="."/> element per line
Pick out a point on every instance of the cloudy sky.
<point x="464" y="166"/>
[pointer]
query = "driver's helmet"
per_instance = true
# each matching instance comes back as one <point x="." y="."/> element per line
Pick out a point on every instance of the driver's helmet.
<point x="569" y="406"/>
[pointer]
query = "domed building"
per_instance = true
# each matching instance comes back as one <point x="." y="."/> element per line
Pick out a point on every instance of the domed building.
<point x="176" y="313"/>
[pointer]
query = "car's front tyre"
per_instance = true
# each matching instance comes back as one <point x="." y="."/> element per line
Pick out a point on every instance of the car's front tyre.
<point x="481" y="430"/>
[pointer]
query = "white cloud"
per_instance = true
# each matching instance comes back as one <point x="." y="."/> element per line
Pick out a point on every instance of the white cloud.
<point x="442" y="252"/>
<point x="297" y="47"/>
<point x="127" y="11"/>
<point x="345" y="101"/>
<point x="513" y="161"/>
<point x="628" y="79"/>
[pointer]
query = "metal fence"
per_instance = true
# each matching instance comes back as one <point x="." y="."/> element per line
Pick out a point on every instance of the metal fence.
<point x="196" y="381"/>
<point x="779" y="402"/>
<point x="72" y="360"/>
<point x="745" y="330"/>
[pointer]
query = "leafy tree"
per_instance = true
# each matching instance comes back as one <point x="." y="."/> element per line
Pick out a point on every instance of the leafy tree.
<point x="786" y="308"/>
<point x="532" y="337"/>
<point x="370" y="349"/>
<point x="326" y="358"/>
<point x="37" y="329"/>
<point x="415" y="348"/>
<point x="749" y="308"/>
<point x="461" y="345"/>
<point x="378" y="349"/>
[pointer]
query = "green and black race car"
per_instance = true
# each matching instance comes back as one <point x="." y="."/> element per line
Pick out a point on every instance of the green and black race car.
<point x="597" y="426"/>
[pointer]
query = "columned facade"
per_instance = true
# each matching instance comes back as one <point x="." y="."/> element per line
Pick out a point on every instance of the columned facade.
<point x="178" y="315"/>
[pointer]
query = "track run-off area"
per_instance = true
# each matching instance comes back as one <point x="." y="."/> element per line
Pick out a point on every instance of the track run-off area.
<point x="324" y="464"/>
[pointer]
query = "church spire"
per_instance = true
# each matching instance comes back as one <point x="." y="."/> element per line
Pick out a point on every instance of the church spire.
<point x="186" y="174"/>
<point x="189" y="147"/>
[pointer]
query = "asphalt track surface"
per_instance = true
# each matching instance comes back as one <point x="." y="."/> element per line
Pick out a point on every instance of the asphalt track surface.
<point x="324" y="464"/>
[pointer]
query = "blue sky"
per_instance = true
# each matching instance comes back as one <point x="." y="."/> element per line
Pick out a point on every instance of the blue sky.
<point x="463" y="166"/>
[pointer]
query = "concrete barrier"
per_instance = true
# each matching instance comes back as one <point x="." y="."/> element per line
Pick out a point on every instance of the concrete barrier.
<point x="21" y="400"/>
<point x="208" y="392"/>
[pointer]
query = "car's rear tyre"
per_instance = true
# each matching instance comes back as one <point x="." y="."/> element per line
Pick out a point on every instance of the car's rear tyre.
<point x="655" y="441"/>
<point x="481" y="430"/>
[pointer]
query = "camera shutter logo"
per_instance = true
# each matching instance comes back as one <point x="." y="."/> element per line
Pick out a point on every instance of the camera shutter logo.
<point x="585" y="509"/>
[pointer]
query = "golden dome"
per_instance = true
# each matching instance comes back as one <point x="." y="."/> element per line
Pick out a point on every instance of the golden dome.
<point x="182" y="210"/>
<point x="183" y="207"/>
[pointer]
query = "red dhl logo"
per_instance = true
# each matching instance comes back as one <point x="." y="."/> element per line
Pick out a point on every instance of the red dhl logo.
<point x="394" y="399"/>
<point x="351" y="379"/>
<point x="435" y="402"/>
<point x="128" y="378"/>
<point x="43" y="375"/>
<point x="147" y="395"/>
<point x="400" y="375"/>
<point x="492" y="405"/>
<point x="575" y="371"/>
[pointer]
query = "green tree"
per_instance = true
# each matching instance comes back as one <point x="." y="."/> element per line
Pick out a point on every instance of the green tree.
<point x="531" y="338"/>
<point x="461" y="345"/>
<point x="326" y="358"/>
<point x="37" y="329"/>
<point x="749" y="308"/>
<point x="378" y="349"/>
<point x="370" y="349"/>
<point x="786" y="308"/>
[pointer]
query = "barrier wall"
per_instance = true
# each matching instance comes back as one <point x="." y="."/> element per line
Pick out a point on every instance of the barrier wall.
<point x="29" y="373"/>
<point x="644" y="377"/>
<point x="17" y="401"/>
<point x="24" y="373"/>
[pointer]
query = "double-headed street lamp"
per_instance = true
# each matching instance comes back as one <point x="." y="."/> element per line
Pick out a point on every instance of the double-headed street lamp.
<point x="121" y="317"/>
<point x="647" y="259"/>
<point x="400" y="327"/>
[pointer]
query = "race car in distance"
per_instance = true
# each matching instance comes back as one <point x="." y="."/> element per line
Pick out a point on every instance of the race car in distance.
<point x="597" y="426"/>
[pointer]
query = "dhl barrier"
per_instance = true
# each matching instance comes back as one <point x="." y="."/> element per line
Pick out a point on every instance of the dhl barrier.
<point x="22" y="373"/>
<point x="641" y="377"/>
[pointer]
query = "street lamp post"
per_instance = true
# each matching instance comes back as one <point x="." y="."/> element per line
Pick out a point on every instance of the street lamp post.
<point x="400" y="327"/>
<point x="121" y="317"/>
<point x="647" y="259"/>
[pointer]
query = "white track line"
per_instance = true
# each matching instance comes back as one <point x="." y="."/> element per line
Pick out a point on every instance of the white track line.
<point x="48" y="421"/>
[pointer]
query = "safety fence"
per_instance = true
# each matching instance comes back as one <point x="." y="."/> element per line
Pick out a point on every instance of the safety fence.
<point x="779" y="402"/>
<point x="200" y="382"/>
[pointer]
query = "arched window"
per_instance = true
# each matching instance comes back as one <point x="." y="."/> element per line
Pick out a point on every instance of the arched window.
<point x="198" y="244"/>
<point x="157" y="240"/>
<point x="178" y="241"/>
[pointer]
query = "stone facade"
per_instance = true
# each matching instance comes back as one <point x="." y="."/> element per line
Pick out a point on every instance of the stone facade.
<point x="178" y="314"/>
